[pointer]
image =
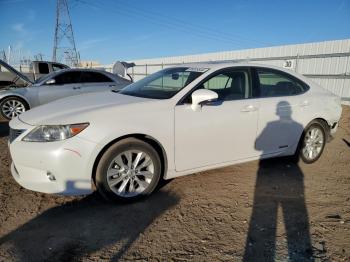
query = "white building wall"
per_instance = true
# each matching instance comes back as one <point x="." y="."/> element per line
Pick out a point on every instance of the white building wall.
<point x="327" y="63"/>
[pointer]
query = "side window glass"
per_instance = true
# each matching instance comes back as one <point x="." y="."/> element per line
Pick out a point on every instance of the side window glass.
<point x="218" y="82"/>
<point x="68" y="78"/>
<point x="277" y="84"/>
<point x="104" y="78"/>
<point x="57" y="67"/>
<point x="43" y="68"/>
<point x="94" y="77"/>
<point x="230" y="85"/>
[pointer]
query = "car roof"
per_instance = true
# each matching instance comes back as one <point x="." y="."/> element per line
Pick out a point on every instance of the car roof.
<point x="216" y="65"/>
<point x="114" y="77"/>
<point x="83" y="70"/>
<point x="51" y="62"/>
<point x="224" y="64"/>
<point x="86" y="70"/>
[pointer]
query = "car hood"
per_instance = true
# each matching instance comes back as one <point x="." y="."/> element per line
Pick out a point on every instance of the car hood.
<point x="15" y="72"/>
<point x="76" y="109"/>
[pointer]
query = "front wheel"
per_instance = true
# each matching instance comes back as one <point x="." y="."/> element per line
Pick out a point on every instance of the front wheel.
<point x="312" y="142"/>
<point x="130" y="169"/>
<point x="12" y="107"/>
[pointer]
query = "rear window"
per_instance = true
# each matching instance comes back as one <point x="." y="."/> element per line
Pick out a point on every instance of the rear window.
<point x="94" y="77"/>
<point x="43" y="68"/>
<point x="57" y="67"/>
<point x="274" y="83"/>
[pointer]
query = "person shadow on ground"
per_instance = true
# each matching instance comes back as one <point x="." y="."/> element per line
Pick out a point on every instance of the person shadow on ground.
<point x="79" y="228"/>
<point x="279" y="184"/>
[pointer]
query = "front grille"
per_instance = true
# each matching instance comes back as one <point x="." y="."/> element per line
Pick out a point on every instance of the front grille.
<point x="14" y="133"/>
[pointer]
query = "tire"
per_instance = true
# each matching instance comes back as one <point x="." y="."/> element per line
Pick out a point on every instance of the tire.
<point x="313" y="139"/>
<point x="11" y="107"/>
<point x="117" y="179"/>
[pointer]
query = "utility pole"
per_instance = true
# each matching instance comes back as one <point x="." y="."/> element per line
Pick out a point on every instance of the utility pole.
<point x="9" y="55"/>
<point x="64" y="44"/>
<point x="3" y="56"/>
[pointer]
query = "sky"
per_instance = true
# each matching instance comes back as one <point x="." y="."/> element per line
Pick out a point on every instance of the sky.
<point x="107" y="31"/>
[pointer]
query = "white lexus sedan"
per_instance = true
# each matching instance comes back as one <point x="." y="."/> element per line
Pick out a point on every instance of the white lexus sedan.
<point x="175" y="122"/>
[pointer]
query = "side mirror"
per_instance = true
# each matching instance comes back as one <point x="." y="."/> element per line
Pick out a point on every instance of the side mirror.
<point x="202" y="95"/>
<point x="175" y="76"/>
<point x="50" y="82"/>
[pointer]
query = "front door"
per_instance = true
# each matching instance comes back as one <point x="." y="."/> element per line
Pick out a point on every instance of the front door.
<point x="66" y="84"/>
<point x="222" y="131"/>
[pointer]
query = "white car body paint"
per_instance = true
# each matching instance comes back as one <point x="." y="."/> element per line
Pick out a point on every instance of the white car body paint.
<point x="192" y="140"/>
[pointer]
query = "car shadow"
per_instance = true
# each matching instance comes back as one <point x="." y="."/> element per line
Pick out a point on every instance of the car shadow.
<point x="4" y="129"/>
<point x="279" y="184"/>
<point x="81" y="227"/>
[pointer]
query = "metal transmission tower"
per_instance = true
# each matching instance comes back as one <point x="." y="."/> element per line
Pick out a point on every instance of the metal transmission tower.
<point x="64" y="49"/>
<point x="3" y="55"/>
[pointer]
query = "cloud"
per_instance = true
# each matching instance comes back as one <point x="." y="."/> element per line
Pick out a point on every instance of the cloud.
<point x="18" y="28"/>
<point x="91" y="43"/>
<point x="31" y="15"/>
<point x="18" y="45"/>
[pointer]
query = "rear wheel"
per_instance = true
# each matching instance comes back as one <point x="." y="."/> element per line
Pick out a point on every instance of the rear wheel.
<point x="12" y="107"/>
<point x="130" y="169"/>
<point x="312" y="142"/>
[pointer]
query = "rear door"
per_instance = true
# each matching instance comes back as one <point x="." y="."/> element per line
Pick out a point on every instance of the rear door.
<point x="96" y="82"/>
<point x="66" y="84"/>
<point x="282" y="110"/>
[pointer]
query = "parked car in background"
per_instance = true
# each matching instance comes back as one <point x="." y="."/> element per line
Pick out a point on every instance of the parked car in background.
<point x="9" y="76"/>
<point x="63" y="83"/>
<point x="175" y="122"/>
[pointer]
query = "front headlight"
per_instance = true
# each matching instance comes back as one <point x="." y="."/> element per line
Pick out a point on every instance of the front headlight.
<point x="53" y="133"/>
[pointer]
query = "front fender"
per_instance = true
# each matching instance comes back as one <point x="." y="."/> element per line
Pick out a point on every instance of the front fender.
<point x="163" y="139"/>
<point x="12" y="94"/>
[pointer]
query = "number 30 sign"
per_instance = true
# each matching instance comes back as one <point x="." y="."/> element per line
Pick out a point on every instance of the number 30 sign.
<point x="288" y="64"/>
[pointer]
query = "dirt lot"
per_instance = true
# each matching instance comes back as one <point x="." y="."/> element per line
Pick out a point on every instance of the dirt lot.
<point x="254" y="211"/>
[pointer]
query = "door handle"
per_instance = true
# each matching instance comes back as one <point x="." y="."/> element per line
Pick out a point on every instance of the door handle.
<point x="76" y="87"/>
<point x="249" y="108"/>
<point x="304" y="103"/>
<point x="112" y="85"/>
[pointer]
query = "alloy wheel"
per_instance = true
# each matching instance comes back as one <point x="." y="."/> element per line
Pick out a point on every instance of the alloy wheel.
<point x="130" y="173"/>
<point x="12" y="108"/>
<point x="313" y="143"/>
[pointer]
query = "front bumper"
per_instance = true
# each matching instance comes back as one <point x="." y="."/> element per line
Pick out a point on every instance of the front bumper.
<point x="62" y="167"/>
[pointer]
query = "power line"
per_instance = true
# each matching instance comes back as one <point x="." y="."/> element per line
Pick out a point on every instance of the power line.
<point x="233" y="37"/>
<point x="166" y="24"/>
<point x="163" y="21"/>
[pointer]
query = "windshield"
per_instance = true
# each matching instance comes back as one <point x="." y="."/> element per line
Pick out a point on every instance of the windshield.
<point x="163" y="84"/>
<point x="44" y="78"/>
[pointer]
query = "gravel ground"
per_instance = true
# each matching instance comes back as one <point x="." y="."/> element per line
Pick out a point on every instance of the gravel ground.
<point x="255" y="211"/>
